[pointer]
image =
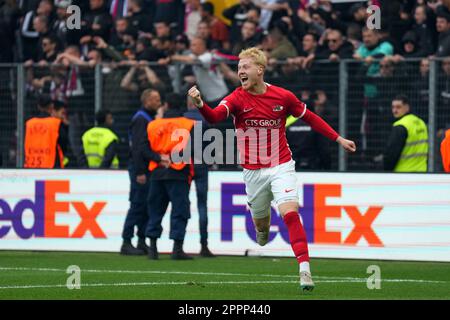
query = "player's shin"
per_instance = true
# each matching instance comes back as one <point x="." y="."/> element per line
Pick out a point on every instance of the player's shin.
<point x="297" y="237"/>
<point x="262" y="227"/>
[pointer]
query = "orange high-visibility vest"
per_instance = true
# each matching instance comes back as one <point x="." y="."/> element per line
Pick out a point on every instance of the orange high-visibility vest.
<point x="41" y="143"/>
<point x="159" y="134"/>
<point x="445" y="151"/>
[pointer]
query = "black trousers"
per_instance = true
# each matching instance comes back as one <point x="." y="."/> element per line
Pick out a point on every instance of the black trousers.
<point x="160" y="194"/>
<point x="137" y="215"/>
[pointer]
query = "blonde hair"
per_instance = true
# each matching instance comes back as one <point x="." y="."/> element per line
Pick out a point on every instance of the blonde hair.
<point x="256" y="55"/>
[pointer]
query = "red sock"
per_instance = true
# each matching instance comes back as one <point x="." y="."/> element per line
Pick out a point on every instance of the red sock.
<point x="297" y="236"/>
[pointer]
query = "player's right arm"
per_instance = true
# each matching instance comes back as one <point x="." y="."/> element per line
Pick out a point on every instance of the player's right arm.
<point x="220" y="113"/>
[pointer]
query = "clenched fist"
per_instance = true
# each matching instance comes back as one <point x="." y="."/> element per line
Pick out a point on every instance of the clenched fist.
<point x="195" y="96"/>
<point x="348" y="145"/>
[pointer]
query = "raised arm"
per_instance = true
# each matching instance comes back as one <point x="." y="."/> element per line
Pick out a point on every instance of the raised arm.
<point x="215" y="115"/>
<point x="319" y="125"/>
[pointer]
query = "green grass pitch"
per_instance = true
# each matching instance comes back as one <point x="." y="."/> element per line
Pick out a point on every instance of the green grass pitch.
<point x="42" y="275"/>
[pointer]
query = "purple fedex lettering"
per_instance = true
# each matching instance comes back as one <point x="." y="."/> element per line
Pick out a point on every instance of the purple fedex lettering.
<point x="45" y="208"/>
<point x="307" y="211"/>
<point x="15" y="215"/>
<point x="229" y="210"/>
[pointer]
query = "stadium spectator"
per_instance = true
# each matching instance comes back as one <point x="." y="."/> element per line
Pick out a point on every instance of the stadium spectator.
<point x="336" y="47"/>
<point x="139" y="155"/>
<point x="45" y="148"/>
<point x="207" y="74"/>
<point x="29" y="35"/>
<point x="139" y="77"/>
<point x="420" y="89"/>
<point x="49" y="51"/>
<point x="271" y="11"/>
<point x="410" y="46"/>
<point x="107" y="50"/>
<point x="443" y="106"/>
<point x="407" y="146"/>
<point x="314" y="20"/>
<point x="170" y="12"/>
<point x="96" y="21"/>
<point x="307" y="53"/>
<point x="249" y="37"/>
<point x="9" y="15"/>
<point x="353" y="35"/>
<point x="162" y="30"/>
<point x="139" y="19"/>
<point x="118" y="34"/>
<point x="358" y="14"/>
<point x="151" y="27"/>
<point x="254" y="14"/>
<point x="40" y="25"/>
<point x="280" y="46"/>
<point x="310" y="150"/>
<point x="295" y="30"/>
<point x="192" y="18"/>
<point x="170" y="183"/>
<point x="443" y="27"/>
<point x="237" y="14"/>
<point x="59" y="25"/>
<point x="371" y="50"/>
<point x="201" y="181"/>
<point x="391" y="80"/>
<point x="219" y="30"/>
<point x="79" y="91"/>
<point x="424" y="30"/>
<point x="204" y="32"/>
<point x="100" y="143"/>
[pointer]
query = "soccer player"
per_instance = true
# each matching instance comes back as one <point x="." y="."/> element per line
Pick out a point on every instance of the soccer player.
<point x="257" y="105"/>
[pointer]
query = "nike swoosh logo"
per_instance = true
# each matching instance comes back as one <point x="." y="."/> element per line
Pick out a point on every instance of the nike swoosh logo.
<point x="247" y="110"/>
<point x="288" y="190"/>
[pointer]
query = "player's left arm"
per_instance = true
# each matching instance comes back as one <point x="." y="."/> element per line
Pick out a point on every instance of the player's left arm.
<point x="298" y="109"/>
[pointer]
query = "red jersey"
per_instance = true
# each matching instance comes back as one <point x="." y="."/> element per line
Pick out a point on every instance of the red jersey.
<point x="260" y="124"/>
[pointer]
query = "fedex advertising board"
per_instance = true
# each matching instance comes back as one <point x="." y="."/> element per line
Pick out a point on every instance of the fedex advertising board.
<point x="352" y="215"/>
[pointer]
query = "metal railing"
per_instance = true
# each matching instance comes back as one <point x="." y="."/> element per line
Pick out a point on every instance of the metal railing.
<point x="345" y="89"/>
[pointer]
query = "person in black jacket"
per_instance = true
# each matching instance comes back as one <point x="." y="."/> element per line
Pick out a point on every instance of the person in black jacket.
<point x="140" y="155"/>
<point x="237" y="14"/>
<point x="97" y="21"/>
<point x="336" y="47"/>
<point x="140" y="20"/>
<point x="443" y="27"/>
<point x="249" y="37"/>
<point x="424" y="30"/>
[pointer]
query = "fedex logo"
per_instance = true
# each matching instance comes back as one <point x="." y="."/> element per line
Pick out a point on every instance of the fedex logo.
<point x="45" y="208"/>
<point x="314" y="213"/>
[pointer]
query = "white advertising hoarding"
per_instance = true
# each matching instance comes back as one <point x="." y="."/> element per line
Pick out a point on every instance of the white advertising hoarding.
<point x="351" y="215"/>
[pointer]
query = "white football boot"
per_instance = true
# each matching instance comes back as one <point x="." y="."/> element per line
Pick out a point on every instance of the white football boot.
<point x="262" y="237"/>
<point x="306" y="283"/>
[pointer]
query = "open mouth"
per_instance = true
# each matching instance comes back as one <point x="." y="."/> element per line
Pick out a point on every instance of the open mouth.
<point x="244" y="79"/>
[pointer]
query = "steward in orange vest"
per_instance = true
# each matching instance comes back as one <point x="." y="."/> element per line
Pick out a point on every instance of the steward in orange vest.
<point x="45" y="138"/>
<point x="170" y="184"/>
<point x="445" y="151"/>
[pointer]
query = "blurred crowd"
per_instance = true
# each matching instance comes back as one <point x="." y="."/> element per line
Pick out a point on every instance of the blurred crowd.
<point x="169" y="45"/>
